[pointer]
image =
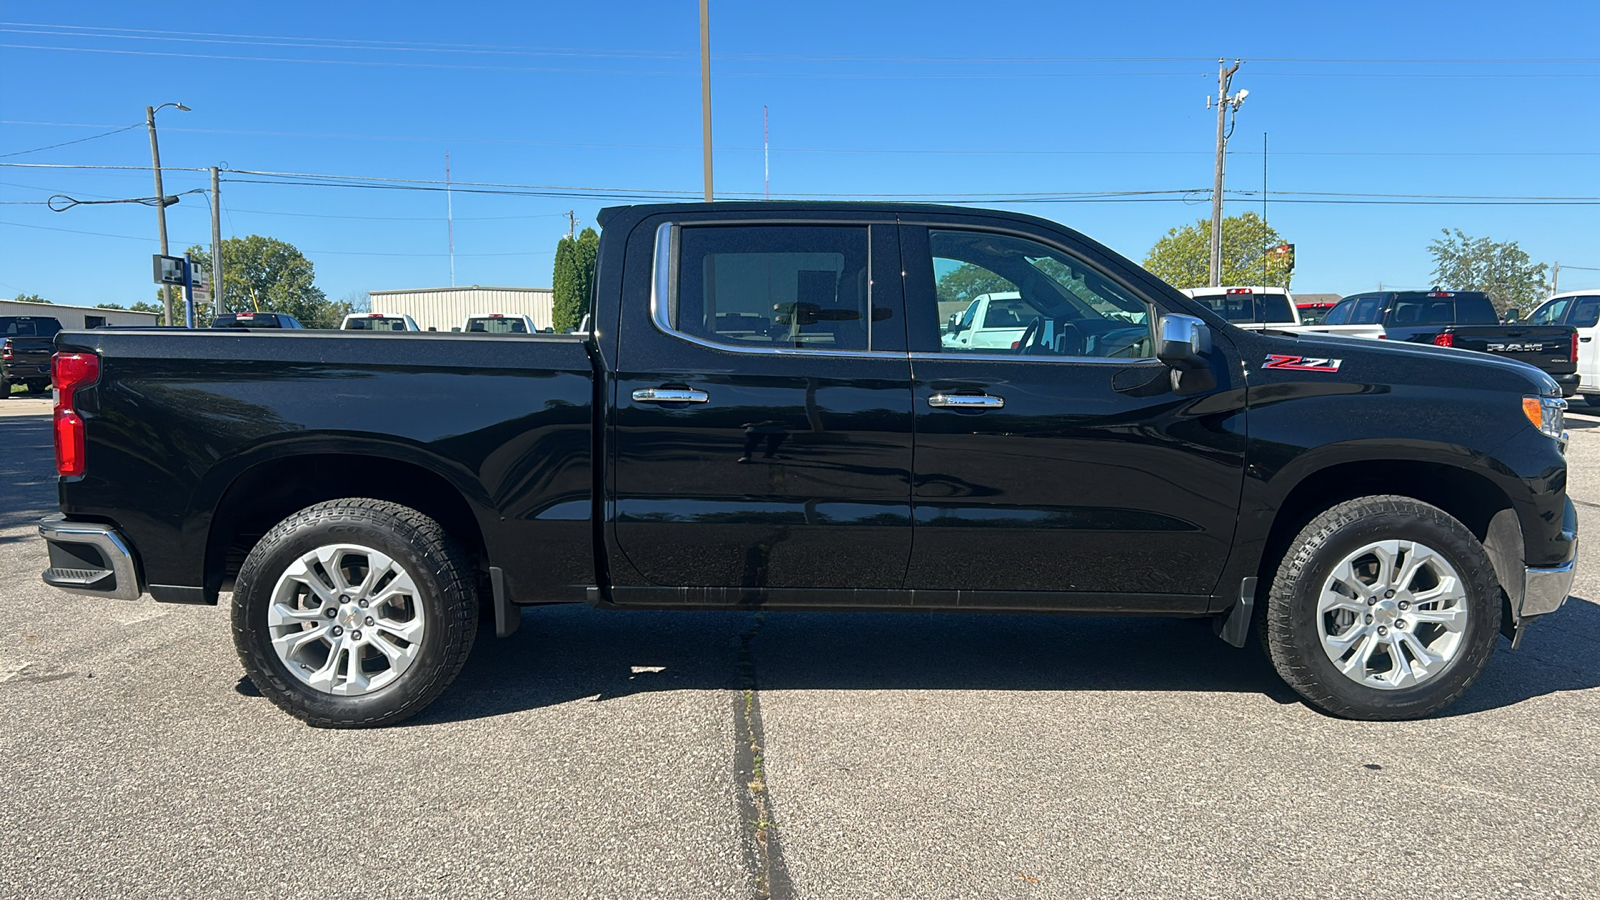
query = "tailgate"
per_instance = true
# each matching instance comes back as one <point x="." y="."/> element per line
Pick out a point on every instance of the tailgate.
<point x="1549" y="347"/>
<point x="30" y="357"/>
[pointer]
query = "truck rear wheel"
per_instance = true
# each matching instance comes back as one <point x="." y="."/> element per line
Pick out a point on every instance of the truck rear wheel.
<point x="1384" y="607"/>
<point x="354" y="613"/>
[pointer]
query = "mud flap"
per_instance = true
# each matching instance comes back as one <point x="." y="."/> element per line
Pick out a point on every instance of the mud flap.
<point x="1235" y="626"/>
<point x="507" y="617"/>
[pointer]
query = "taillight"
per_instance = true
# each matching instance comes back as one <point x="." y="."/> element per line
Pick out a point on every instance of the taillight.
<point x="71" y="371"/>
<point x="1444" y="340"/>
<point x="1574" y="354"/>
<point x="5" y="349"/>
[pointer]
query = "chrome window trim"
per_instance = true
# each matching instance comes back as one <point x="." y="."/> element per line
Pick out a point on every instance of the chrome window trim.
<point x="664" y="286"/>
<point x="924" y="356"/>
<point x="664" y="289"/>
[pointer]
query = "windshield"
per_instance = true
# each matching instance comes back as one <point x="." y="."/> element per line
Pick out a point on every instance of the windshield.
<point x="496" y="325"/>
<point x="1249" y="308"/>
<point x="376" y="323"/>
<point x="28" y="326"/>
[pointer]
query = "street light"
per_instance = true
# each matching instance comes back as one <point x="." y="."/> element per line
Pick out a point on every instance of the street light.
<point x="161" y="197"/>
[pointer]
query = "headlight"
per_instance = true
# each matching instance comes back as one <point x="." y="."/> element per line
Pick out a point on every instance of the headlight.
<point x="1548" y="414"/>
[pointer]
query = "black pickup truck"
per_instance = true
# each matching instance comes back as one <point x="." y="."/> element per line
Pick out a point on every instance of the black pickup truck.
<point x="26" y="343"/>
<point x="763" y="416"/>
<point x="1465" y="320"/>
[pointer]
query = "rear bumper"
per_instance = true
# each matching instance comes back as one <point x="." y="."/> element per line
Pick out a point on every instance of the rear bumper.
<point x="1568" y="383"/>
<point x="89" y="558"/>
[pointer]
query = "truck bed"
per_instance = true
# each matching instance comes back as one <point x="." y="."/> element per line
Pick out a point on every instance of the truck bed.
<point x="179" y="419"/>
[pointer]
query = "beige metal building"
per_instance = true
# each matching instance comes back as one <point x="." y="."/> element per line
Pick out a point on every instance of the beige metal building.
<point x="76" y="318"/>
<point x="442" y="309"/>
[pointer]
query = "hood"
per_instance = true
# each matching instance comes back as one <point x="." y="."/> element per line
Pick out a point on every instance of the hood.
<point x="1398" y="362"/>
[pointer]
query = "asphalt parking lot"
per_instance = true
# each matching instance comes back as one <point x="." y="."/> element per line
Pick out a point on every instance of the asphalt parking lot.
<point x="599" y="754"/>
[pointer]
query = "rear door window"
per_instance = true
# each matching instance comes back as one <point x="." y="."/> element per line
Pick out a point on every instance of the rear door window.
<point x="1340" y="314"/>
<point x="1585" y="312"/>
<point x="788" y="286"/>
<point x="1367" y="311"/>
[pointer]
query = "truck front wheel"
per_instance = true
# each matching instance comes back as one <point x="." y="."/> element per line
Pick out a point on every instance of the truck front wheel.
<point x="354" y="613"/>
<point x="1384" y="607"/>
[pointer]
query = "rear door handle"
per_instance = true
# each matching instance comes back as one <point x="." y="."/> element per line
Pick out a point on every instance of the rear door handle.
<point x="966" y="401"/>
<point x="1584" y="340"/>
<point x="670" y="395"/>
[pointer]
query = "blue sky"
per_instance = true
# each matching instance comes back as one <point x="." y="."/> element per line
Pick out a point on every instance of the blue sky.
<point x="929" y="100"/>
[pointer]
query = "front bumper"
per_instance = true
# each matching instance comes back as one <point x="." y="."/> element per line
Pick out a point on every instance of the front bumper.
<point x="1545" y="589"/>
<point x="89" y="558"/>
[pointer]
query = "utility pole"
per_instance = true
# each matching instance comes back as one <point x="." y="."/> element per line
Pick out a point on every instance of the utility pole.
<point x="572" y="224"/>
<point x="449" y="219"/>
<point x="766" y="166"/>
<point x="161" y="203"/>
<point x="1224" y="78"/>
<point x="705" y="89"/>
<point x="216" y="242"/>
<point x="1555" y="279"/>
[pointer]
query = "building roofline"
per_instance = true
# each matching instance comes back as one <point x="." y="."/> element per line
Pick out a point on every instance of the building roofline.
<point x="44" y="307"/>
<point x="447" y="290"/>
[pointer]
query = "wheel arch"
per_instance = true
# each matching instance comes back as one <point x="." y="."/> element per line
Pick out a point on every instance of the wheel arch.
<point x="270" y="490"/>
<point x="1470" y="497"/>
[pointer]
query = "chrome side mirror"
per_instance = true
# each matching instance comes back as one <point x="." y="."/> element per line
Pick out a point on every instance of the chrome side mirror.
<point x="1183" y="342"/>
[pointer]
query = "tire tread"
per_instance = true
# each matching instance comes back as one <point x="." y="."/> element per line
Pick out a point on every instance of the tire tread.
<point x="1277" y="633"/>
<point x="457" y="585"/>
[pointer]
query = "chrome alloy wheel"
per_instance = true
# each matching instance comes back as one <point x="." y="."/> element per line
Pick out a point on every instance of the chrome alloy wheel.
<point x="346" y="619"/>
<point x="1392" y="615"/>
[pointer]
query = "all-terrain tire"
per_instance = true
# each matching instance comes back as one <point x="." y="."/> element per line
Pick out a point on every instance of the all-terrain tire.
<point x="445" y="596"/>
<point x="1292" y="632"/>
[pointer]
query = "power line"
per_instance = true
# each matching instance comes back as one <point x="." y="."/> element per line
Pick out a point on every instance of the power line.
<point x="78" y="141"/>
<point x="129" y="237"/>
<point x="1185" y="195"/>
<point x="108" y="32"/>
<point x="982" y="151"/>
<point x="630" y="72"/>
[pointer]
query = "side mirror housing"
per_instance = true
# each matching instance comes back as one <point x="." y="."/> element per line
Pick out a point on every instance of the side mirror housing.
<point x="1183" y="343"/>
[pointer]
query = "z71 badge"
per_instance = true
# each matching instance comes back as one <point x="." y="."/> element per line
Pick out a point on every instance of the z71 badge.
<point x="1301" y="363"/>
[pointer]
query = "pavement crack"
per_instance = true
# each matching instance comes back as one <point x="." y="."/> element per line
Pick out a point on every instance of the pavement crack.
<point x="762" y="852"/>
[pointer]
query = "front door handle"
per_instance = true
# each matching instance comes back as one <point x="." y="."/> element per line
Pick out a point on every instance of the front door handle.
<point x="1584" y="340"/>
<point x="670" y="395"/>
<point x="966" y="401"/>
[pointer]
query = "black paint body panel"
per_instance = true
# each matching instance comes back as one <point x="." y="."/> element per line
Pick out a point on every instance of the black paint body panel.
<point x="809" y="480"/>
<point x="178" y="417"/>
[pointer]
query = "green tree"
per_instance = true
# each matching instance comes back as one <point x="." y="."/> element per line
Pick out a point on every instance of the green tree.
<point x="966" y="281"/>
<point x="263" y="274"/>
<point x="158" y="309"/>
<point x="1500" y="269"/>
<point x="1183" y="257"/>
<point x="109" y="306"/>
<point x="573" y="278"/>
<point x="32" y="298"/>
